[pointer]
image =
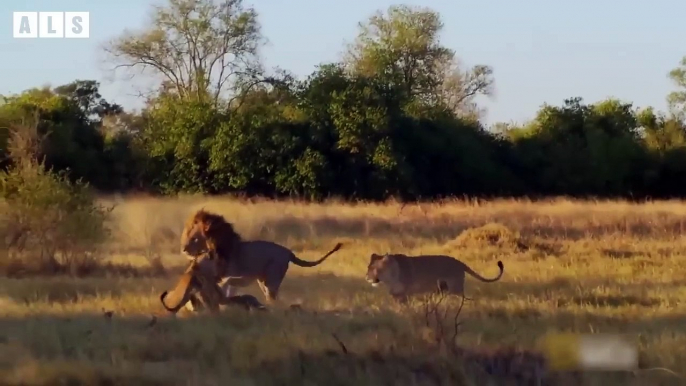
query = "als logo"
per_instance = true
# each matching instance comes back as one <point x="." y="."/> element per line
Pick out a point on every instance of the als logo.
<point x="51" y="25"/>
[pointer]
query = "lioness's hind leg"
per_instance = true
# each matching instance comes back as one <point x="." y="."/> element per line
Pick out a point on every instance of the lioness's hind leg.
<point x="455" y="287"/>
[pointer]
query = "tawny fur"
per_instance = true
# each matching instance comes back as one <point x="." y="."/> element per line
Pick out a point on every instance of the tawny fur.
<point x="413" y="275"/>
<point x="194" y="282"/>
<point x="239" y="263"/>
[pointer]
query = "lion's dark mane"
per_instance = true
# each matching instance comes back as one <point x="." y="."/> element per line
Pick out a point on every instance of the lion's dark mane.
<point x="220" y="234"/>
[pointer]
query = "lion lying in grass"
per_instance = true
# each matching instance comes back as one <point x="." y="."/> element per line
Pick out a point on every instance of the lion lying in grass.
<point x="193" y="282"/>
<point x="238" y="262"/>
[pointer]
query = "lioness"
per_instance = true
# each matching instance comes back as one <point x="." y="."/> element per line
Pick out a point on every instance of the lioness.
<point x="195" y="282"/>
<point x="191" y="283"/>
<point x="238" y="262"/>
<point x="409" y="275"/>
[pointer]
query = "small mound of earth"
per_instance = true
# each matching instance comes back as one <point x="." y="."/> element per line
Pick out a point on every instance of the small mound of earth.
<point x="491" y="234"/>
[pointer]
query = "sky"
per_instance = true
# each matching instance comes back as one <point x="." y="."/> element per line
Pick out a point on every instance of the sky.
<point x="541" y="51"/>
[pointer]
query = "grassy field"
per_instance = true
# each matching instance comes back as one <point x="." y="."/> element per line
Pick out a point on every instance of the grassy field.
<point x="569" y="266"/>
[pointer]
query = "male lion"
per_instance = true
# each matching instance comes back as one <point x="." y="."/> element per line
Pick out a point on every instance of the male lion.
<point x="409" y="275"/>
<point x="193" y="282"/>
<point x="238" y="262"/>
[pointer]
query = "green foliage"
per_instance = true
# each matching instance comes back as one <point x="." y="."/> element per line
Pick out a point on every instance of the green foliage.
<point x="49" y="222"/>
<point x="70" y="118"/>
<point x="396" y="118"/>
<point x="177" y="136"/>
<point x="677" y="99"/>
<point x="56" y="222"/>
<point x="401" y="47"/>
<point x="583" y="150"/>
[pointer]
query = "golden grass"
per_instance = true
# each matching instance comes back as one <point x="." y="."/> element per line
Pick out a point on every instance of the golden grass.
<point x="569" y="266"/>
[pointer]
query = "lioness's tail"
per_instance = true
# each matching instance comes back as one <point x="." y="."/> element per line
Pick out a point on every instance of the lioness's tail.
<point x="175" y="309"/>
<point x="476" y="275"/>
<point x="304" y="263"/>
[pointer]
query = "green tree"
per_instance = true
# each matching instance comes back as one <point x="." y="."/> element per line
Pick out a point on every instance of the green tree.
<point x="86" y="95"/>
<point x="661" y="133"/>
<point x="351" y="120"/>
<point x="177" y="135"/>
<point x="665" y="136"/>
<point x="72" y="119"/>
<point x="677" y="99"/>
<point x="580" y="149"/>
<point x="402" y="46"/>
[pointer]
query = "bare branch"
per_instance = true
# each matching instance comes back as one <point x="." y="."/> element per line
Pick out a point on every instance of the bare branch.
<point x="201" y="46"/>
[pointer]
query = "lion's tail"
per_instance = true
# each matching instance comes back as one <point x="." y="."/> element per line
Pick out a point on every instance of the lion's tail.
<point x="304" y="263"/>
<point x="476" y="275"/>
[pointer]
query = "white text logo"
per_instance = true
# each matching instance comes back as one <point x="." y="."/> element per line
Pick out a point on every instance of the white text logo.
<point x="51" y="25"/>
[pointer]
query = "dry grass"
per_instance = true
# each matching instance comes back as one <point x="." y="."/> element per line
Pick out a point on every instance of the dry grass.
<point x="569" y="266"/>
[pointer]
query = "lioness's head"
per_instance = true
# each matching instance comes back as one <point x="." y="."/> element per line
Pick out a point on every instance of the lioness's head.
<point x="382" y="268"/>
<point x="205" y="232"/>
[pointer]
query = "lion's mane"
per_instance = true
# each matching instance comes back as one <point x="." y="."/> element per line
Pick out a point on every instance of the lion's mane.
<point x="220" y="234"/>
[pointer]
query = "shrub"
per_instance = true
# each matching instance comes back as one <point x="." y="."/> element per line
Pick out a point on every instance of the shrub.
<point x="49" y="220"/>
<point x="50" y="223"/>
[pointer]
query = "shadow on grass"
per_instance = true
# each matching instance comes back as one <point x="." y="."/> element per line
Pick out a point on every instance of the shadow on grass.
<point x="20" y="268"/>
<point x="273" y="348"/>
<point x="320" y="288"/>
<point x="265" y="349"/>
<point x="382" y="344"/>
<point x="65" y="290"/>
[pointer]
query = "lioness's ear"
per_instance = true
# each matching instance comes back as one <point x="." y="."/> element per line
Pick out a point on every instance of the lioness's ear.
<point x="375" y="257"/>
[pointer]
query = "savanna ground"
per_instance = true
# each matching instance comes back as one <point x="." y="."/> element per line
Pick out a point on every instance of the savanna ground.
<point x="569" y="266"/>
